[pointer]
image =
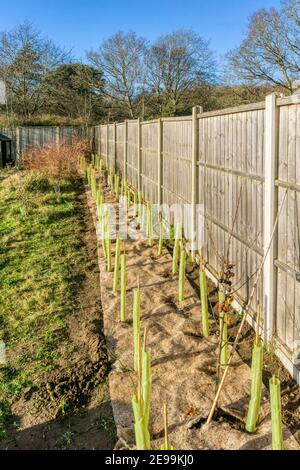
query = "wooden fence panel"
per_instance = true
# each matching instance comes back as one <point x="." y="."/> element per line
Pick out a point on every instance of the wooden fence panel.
<point x="231" y="191"/>
<point x="235" y="149"/>
<point x="132" y="153"/>
<point x="97" y="140"/>
<point x="24" y="138"/>
<point x="103" y="142"/>
<point x="149" y="161"/>
<point x="111" y="145"/>
<point x="120" y="148"/>
<point x="177" y="165"/>
<point x="177" y="157"/>
<point x="287" y="321"/>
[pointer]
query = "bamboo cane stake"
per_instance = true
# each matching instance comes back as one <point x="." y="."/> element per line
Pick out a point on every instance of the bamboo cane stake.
<point x="117" y="265"/>
<point x="258" y="274"/>
<point x="166" y="445"/>
<point x="204" y="303"/>
<point x="275" y="397"/>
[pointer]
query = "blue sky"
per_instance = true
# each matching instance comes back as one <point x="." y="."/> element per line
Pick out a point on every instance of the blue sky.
<point x="82" y="25"/>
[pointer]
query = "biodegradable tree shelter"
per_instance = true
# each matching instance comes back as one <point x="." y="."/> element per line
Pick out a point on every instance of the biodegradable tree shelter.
<point x="136" y="323"/>
<point x="149" y="224"/>
<point x="117" y="265"/>
<point x="161" y="241"/>
<point x="204" y="303"/>
<point x="123" y="287"/>
<point x="275" y="395"/>
<point x="141" y="401"/>
<point x="256" y="381"/>
<point x="108" y="245"/>
<point x="182" y="273"/>
<point x="178" y="237"/>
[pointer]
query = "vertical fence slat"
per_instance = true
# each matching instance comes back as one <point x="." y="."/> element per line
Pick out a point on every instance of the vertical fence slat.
<point x="271" y="127"/>
<point x="139" y="163"/>
<point x="125" y="148"/>
<point x="159" y="161"/>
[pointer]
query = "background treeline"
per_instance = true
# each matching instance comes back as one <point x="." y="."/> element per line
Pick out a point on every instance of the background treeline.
<point x="128" y="77"/>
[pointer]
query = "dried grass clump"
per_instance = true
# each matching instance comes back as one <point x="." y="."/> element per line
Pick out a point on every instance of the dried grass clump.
<point x="55" y="161"/>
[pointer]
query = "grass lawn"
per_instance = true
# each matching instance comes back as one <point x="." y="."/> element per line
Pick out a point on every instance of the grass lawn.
<point x="42" y="257"/>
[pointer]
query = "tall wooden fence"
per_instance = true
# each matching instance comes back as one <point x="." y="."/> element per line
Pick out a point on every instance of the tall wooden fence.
<point x="243" y="165"/>
<point x="24" y="138"/>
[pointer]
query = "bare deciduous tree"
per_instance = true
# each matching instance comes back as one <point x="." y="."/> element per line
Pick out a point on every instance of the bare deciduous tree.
<point x="271" y="51"/>
<point x="25" y="58"/>
<point x="120" y="59"/>
<point x="175" y="63"/>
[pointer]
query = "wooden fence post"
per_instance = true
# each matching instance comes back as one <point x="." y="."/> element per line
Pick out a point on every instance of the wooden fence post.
<point x="270" y="199"/>
<point x="139" y="165"/>
<point x="57" y="136"/>
<point x="125" y="149"/>
<point x="107" y="144"/>
<point x="98" y="133"/>
<point x="18" y="143"/>
<point x="159" y="161"/>
<point x="115" y="147"/>
<point x="195" y="154"/>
